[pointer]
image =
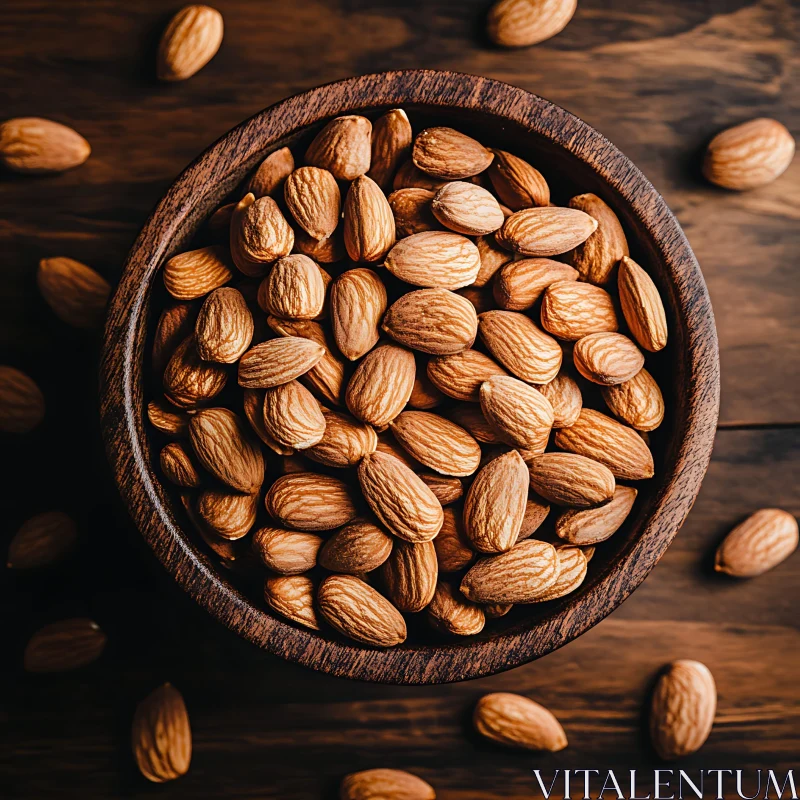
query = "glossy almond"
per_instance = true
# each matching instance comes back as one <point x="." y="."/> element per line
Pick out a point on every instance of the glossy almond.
<point x="521" y="23"/>
<point x="42" y="540"/>
<point x="564" y="396"/>
<point x="409" y="575"/>
<point x="517" y="183"/>
<point x="292" y="596"/>
<point x="278" y="361"/>
<point x="607" y="358"/>
<point x="596" y="258"/>
<point x="447" y="153"/>
<point x="385" y="784"/>
<point x="591" y="526"/>
<point x="197" y="272"/>
<point x="547" y="231"/>
<point x="293" y="289"/>
<point x="345" y="441"/>
<point x="35" y="145"/>
<point x="229" y="515"/>
<point x="391" y="145"/>
<point x="189" y="42"/>
<point x="642" y="306"/>
<point x="450" y="612"/>
<point x="292" y="417"/>
<point x="76" y="293"/>
<point x="758" y="544"/>
<point x="356" y="548"/>
<point x="412" y="211"/>
<point x="224" y="326"/>
<point x="178" y="466"/>
<point x="466" y="208"/>
<point x="516" y="721"/>
<point x="343" y="147"/>
<point x="571" y="480"/>
<point x="453" y="549"/>
<point x="313" y="198"/>
<point x="272" y="172"/>
<point x="259" y="235"/>
<point x="637" y="402"/>
<point x="167" y="419"/>
<point x="176" y="322"/>
<point x="188" y="380"/>
<point x="519" y="284"/>
<point x="460" y="375"/>
<point x="523" y="415"/>
<point x="572" y="310"/>
<point x="21" y="401"/>
<point x="308" y="501"/>
<point x="368" y="221"/>
<point x="64" y="645"/>
<point x="435" y="259"/>
<point x="286" y="552"/>
<point x="492" y="258"/>
<point x="357" y="304"/>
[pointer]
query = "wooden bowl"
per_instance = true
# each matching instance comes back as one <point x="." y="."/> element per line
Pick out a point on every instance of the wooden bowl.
<point x="575" y="159"/>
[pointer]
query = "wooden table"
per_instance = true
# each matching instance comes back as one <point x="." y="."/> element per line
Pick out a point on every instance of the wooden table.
<point x="658" y="79"/>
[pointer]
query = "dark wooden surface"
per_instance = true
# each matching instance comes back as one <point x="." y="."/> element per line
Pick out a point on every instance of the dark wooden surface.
<point x="658" y="80"/>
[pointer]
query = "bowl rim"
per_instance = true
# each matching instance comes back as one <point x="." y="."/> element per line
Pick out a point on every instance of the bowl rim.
<point x="121" y="368"/>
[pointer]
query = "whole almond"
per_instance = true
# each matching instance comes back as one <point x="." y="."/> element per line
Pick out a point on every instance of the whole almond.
<point x="450" y="612"/>
<point x="523" y="415"/>
<point x="522" y="348"/>
<point x="42" y="540"/>
<point x="466" y="208"/>
<point x="388" y="444"/>
<point x="434" y="321"/>
<point x="195" y="273"/>
<point x="260" y="235"/>
<point x="409" y="575"/>
<point x="683" y="708"/>
<point x="638" y="402"/>
<point x="521" y="23"/>
<point x="190" y="381"/>
<point x="292" y="596"/>
<point x="446" y="489"/>
<point x="412" y="211"/>
<point x="603" y="439"/>
<point x="286" y="552"/>
<point x="229" y="515"/>
<point x="749" y="155"/>
<point x="517" y="183"/>
<point x="343" y="147"/>
<point x="492" y="258"/>
<point x="167" y="420"/>
<point x="571" y="480"/>
<point x="495" y="504"/>
<point x="435" y="259"/>
<point x="228" y="550"/>
<point x="161" y="737"/>
<point x="345" y="441"/>
<point x="572" y="567"/>
<point x="253" y="402"/>
<point x="313" y="198"/>
<point x="517" y="576"/>
<point x="278" y="361"/>
<point x="308" y="501"/>
<point x="21" y="401"/>
<point x="536" y="511"/>
<point x="358" y="302"/>
<point x="359" y="612"/>
<point x="460" y="375"/>
<point x="368" y="221"/>
<point x="391" y="144"/>
<point x="292" y="417"/>
<point x="596" y="258"/>
<point x="399" y="498"/>
<point x="449" y="154"/>
<point x="35" y="145"/>
<point x="642" y="306"/>
<point x="565" y="398"/>
<point x="591" y="526"/>
<point x="224" y="326"/>
<point x="516" y="721"/>
<point x="472" y="419"/>
<point x="385" y="784"/>
<point x="409" y="176"/>
<point x="190" y="41"/>
<point x="176" y="322"/>
<point x="76" y="293"/>
<point x="453" y="549"/>
<point x="356" y="548"/>
<point x="546" y="231"/>
<point x="293" y="289"/>
<point x="607" y="358"/>
<point x="272" y="172"/>
<point x="64" y="645"/>
<point x="572" y="310"/>
<point x="519" y="284"/>
<point x="178" y="467"/>
<point x="424" y="395"/>
<point x="758" y="544"/>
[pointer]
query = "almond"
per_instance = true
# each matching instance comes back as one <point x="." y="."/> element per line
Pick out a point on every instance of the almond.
<point x="517" y="183"/>
<point x="226" y="514"/>
<point x="224" y="326"/>
<point x="683" y="708"/>
<point x="228" y="550"/>
<point x="293" y="289"/>
<point x="412" y="211"/>
<point x="253" y="402"/>
<point x="190" y="41"/>
<point x="359" y="612"/>
<point x="638" y="402"/>
<point x="190" y="381"/>
<point x="571" y="480"/>
<point x="272" y="172"/>
<point x="603" y="439"/>
<point x="449" y="154"/>
<point x="178" y="467"/>
<point x="466" y="208"/>
<point x="481" y="298"/>
<point x="260" y="235"/>
<point x="176" y="322"/>
<point x="292" y="596"/>
<point x="308" y="501"/>
<point x="391" y="144"/>
<point x="313" y="198"/>
<point x="495" y="504"/>
<point x="460" y="375"/>
<point x="196" y="273"/>
<point x="368" y="221"/>
<point x="76" y="293"/>
<point x="594" y="525"/>
<point x="342" y="147"/>
<point x="517" y="576"/>
<point x="292" y="417"/>
<point x="758" y="544"/>
<point x="409" y="176"/>
<point x="36" y="145"/>
<point x="546" y="231"/>
<point x="167" y="420"/>
<point x="433" y="321"/>
<point x="453" y="550"/>
<point x="323" y="251"/>
<point x="607" y="358"/>
<point x="515" y="341"/>
<point x="387" y="444"/>
<point x="21" y="401"/>
<point x="564" y="395"/>
<point x="450" y="612"/>
<point x="521" y="23"/>
<point x="536" y="511"/>
<point x="278" y="361"/>
<point x="42" y="540"/>
<point x="437" y="443"/>
<point x="472" y="419"/>
<point x="356" y="548"/>
<point x="435" y="259"/>
<point x="596" y="258"/>
<point x="749" y="155"/>
<point x="496" y="610"/>
<point x="358" y="301"/>
<point x="519" y="284"/>
<point x="516" y="721"/>
<point x="424" y="395"/>
<point x="572" y="566"/>
<point x="521" y="413"/>
<point x="286" y="552"/>
<point x="381" y="385"/>
<point x="64" y="645"/>
<point x="642" y="306"/>
<point x="492" y="258"/>
<point x="385" y="784"/>
<point x="161" y="737"/>
<point x="399" y="498"/>
<point x="410" y="574"/>
<point x="572" y="310"/>
<point x="345" y="441"/>
<point x="447" y="490"/>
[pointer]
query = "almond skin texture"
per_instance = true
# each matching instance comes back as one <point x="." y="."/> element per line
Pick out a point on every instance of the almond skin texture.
<point x="572" y="310"/>
<point x="603" y="439"/>
<point x="368" y="221"/>
<point x="271" y="175"/>
<point x="345" y="441"/>
<point x="385" y="784"/>
<point x="292" y="417"/>
<point x="515" y="341"/>
<point x="359" y="612"/>
<point x="682" y="709"/>
<point x="516" y="721"/>
<point x="260" y="235"/>
<point x="167" y="420"/>
<point x="596" y="258"/>
<point x="224" y="327"/>
<point x="565" y="398"/>
<point x="190" y="41"/>
<point x="358" y="302"/>
<point x="607" y="358"/>
<point x="446" y="153"/>
<point x="437" y="443"/>
<point x="749" y="155"/>
<point x="286" y="552"/>
<point x="391" y="145"/>
<point x="293" y="289"/>
<point x="292" y="596"/>
<point x="409" y="575"/>
<point x="758" y="544"/>
<point x="536" y="511"/>
<point x="460" y="375"/>
<point x="517" y="576"/>
<point x="637" y="402"/>
<point x="161" y="737"/>
<point x="278" y="361"/>
<point x="21" y="401"/>
<point x="517" y="183"/>
<point x="399" y="498"/>
<point x="42" y="540"/>
<point x="197" y="272"/>
<point x="313" y="198"/>
<point x="178" y="467"/>
<point x="76" y="293"/>
<point x="308" y="501"/>
<point x="594" y="525"/>
<point x="343" y="147"/>
<point x="412" y="212"/>
<point x="228" y="515"/>
<point x="36" y="146"/>
<point x="495" y="504"/>
<point x="521" y="23"/>
<point x="547" y="231"/>
<point x="572" y="566"/>
<point x="381" y="385"/>
<point x="253" y="402"/>
<point x="190" y="381"/>
<point x="450" y="612"/>
<point x="453" y="550"/>
<point x="435" y="259"/>
<point x="642" y="306"/>
<point x="447" y="490"/>
<point x="356" y="548"/>
<point x="523" y="415"/>
<point x="64" y="645"/>
<point x="176" y="322"/>
<point x="571" y="480"/>
<point x="466" y="208"/>
<point x="519" y="284"/>
<point x="492" y="258"/>
<point x="433" y="321"/>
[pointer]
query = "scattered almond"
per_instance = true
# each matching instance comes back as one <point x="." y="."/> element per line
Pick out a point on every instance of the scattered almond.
<point x="190" y="41"/>
<point x="385" y="784"/>
<point x="516" y="721"/>
<point x="521" y="23"/>
<point x="21" y="401"/>
<point x="35" y="145"/>
<point x="758" y="544"/>
<point x="42" y="540"/>
<point x="76" y="293"/>
<point x="64" y="645"/>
